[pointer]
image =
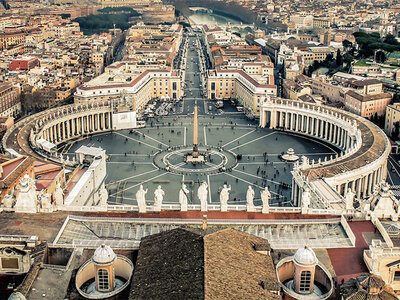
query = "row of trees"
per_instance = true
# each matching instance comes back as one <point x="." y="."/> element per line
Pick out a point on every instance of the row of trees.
<point x="369" y="45"/>
<point x="118" y="16"/>
<point x="341" y="63"/>
<point x="371" y="42"/>
<point x="120" y="9"/>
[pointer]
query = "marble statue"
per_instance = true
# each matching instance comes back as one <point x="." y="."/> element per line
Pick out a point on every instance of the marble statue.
<point x="103" y="195"/>
<point x="250" y="199"/>
<point x="224" y="197"/>
<point x="305" y="200"/>
<point x="158" y="198"/>
<point x="26" y="200"/>
<point x="384" y="204"/>
<point x="45" y="201"/>
<point x="202" y="194"/>
<point x="8" y="201"/>
<point x="183" y="199"/>
<point x="58" y="194"/>
<point x="349" y="199"/>
<point x="265" y="196"/>
<point x="141" y="199"/>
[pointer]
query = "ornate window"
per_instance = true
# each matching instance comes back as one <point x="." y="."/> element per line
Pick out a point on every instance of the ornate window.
<point x="103" y="280"/>
<point x="305" y="281"/>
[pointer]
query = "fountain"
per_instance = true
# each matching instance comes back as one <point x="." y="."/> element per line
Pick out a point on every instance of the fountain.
<point x="290" y="156"/>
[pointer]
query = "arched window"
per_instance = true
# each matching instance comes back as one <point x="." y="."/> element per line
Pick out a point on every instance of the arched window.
<point x="305" y="281"/>
<point x="103" y="280"/>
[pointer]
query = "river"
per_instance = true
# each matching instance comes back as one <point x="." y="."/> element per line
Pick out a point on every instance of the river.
<point x="212" y="19"/>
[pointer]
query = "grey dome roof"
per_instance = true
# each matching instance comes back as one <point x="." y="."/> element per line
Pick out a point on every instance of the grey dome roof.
<point x="103" y="255"/>
<point x="305" y="257"/>
<point x="16" y="296"/>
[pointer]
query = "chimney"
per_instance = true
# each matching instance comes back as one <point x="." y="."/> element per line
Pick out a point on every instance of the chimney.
<point x="204" y="222"/>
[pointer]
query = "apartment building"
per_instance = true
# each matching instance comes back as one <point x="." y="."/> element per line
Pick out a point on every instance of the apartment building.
<point x="366" y="98"/>
<point x="237" y="84"/>
<point x="139" y="86"/>
<point x="392" y="117"/>
<point x="10" y="104"/>
<point x="13" y="38"/>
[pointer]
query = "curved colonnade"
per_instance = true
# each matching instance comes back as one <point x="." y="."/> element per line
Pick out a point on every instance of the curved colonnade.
<point x="73" y="122"/>
<point x="361" y="166"/>
<point x="58" y="125"/>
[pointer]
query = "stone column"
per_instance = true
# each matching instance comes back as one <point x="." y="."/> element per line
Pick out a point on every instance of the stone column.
<point x="380" y="174"/>
<point x="57" y="132"/>
<point x="51" y="134"/>
<point x="273" y="118"/>
<point x="365" y="185"/>
<point x="335" y="134"/>
<point x="308" y="125"/>
<point x="313" y="119"/>
<point x="286" y="120"/>
<point x="292" y="121"/>
<point x="75" y="126"/>
<point x="326" y="130"/>
<point x="62" y="130"/>
<point x="370" y="183"/>
<point x="344" y="138"/>
<point x="299" y="122"/>
<point x="359" y="187"/>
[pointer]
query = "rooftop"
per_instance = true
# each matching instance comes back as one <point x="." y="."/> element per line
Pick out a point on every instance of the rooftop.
<point x="197" y="264"/>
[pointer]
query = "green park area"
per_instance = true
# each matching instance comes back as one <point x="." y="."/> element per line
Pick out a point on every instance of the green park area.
<point x="106" y="19"/>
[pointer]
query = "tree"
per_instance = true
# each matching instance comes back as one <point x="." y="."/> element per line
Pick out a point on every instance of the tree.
<point x="329" y="57"/>
<point x="391" y="39"/>
<point x="347" y="45"/>
<point x="339" y="58"/>
<point x="36" y="101"/>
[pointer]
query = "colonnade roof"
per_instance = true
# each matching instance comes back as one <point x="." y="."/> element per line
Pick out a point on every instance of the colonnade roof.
<point x="374" y="144"/>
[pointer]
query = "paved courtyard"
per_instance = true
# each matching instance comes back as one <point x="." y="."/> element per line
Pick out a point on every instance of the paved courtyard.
<point x="132" y="158"/>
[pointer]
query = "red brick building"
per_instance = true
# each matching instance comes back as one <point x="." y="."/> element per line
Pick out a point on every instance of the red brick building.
<point x="23" y="63"/>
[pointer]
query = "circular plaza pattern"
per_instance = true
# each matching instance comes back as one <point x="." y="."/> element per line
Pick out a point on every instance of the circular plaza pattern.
<point x="238" y="153"/>
<point x="216" y="160"/>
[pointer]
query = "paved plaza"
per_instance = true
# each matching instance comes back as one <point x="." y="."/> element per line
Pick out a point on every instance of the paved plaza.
<point x="134" y="158"/>
<point x="239" y="153"/>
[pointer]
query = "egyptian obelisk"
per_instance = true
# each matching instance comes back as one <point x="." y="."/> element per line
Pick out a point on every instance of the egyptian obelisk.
<point x="195" y="153"/>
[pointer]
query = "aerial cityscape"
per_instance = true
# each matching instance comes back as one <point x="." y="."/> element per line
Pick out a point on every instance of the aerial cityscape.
<point x="199" y="149"/>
